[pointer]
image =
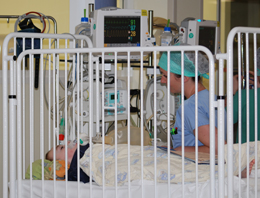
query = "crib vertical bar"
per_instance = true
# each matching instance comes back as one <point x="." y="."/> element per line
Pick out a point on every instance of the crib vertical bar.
<point x="116" y="130"/>
<point x="42" y="121"/>
<point x="221" y="129"/>
<point x="66" y="121"/>
<point x="155" y="139"/>
<point x="196" y="121"/>
<point x="54" y="120"/>
<point x="78" y="122"/>
<point x="31" y="120"/>
<point x="256" y="113"/>
<point x="155" y="125"/>
<point x="81" y="95"/>
<point x="15" y="66"/>
<point x="239" y="107"/>
<point x="74" y="65"/>
<point x="90" y="118"/>
<point x="128" y="125"/>
<point x="168" y="121"/>
<point x="19" y="132"/>
<point x="80" y="80"/>
<point x="230" y="114"/>
<point x="141" y="121"/>
<point x="24" y="110"/>
<point x="247" y="106"/>
<point x="12" y="135"/>
<point x="212" y="126"/>
<point x="5" y="115"/>
<point x="97" y="99"/>
<point x="182" y="120"/>
<point x="81" y="89"/>
<point x="57" y="70"/>
<point x="103" y="126"/>
<point x="14" y="75"/>
<point x="49" y="104"/>
<point x="141" y="114"/>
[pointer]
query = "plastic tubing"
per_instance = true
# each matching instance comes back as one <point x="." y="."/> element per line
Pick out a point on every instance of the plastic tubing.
<point x="33" y="12"/>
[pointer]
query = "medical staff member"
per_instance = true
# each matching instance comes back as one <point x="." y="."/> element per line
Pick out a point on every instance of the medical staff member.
<point x="189" y="103"/>
<point x="252" y="107"/>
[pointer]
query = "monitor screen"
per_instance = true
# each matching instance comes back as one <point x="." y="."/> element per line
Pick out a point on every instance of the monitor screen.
<point x="112" y="96"/>
<point x="207" y="37"/>
<point x="121" y="30"/>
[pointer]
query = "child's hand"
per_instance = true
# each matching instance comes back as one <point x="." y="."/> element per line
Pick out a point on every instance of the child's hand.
<point x="251" y="79"/>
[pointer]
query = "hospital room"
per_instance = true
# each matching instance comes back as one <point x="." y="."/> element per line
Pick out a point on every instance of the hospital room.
<point x="128" y="98"/>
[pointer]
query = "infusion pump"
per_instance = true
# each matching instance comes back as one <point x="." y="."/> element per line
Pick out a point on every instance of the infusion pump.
<point x="114" y="27"/>
<point x="110" y="99"/>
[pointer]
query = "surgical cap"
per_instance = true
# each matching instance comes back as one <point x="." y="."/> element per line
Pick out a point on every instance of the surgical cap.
<point x="189" y="63"/>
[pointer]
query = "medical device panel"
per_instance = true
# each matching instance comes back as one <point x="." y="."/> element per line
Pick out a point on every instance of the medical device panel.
<point x="121" y="100"/>
<point x="113" y="27"/>
<point x="109" y="101"/>
<point x="201" y="32"/>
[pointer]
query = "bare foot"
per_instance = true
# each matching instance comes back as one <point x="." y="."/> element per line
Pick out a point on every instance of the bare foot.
<point x="244" y="172"/>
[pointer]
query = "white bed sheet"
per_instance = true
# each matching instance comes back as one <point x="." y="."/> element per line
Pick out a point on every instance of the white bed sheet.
<point x="148" y="186"/>
<point x="136" y="189"/>
<point x="148" y="164"/>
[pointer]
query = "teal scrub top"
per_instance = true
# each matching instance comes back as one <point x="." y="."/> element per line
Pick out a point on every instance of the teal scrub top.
<point x="243" y="114"/>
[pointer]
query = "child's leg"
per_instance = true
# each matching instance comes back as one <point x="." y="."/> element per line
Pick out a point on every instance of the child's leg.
<point x="251" y="164"/>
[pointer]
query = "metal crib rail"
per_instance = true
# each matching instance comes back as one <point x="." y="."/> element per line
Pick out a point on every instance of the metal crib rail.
<point x="9" y="98"/>
<point x="95" y="64"/>
<point x="235" y="38"/>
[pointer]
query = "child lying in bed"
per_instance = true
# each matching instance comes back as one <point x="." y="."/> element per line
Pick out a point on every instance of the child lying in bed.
<point x="72" y="160"/>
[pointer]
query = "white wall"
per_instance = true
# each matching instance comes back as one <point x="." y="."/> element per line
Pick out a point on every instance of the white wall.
<point x="187" y="8"/>
<point x="158" y="7"/>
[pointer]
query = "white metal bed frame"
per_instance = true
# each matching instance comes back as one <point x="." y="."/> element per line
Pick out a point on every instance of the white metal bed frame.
<point x="15" y="104"/>
<point x="11" y="61"/>
<point x="238" y="31"/>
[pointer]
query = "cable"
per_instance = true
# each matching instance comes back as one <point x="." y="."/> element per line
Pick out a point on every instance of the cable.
<point x="110" y="127"/>
<point x="33" y="12"/>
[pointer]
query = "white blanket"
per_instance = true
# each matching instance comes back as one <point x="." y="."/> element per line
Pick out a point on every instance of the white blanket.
<point x="148" y="165"/>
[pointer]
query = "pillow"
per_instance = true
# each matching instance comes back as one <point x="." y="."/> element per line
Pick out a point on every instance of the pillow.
<point x="48" y="170"/>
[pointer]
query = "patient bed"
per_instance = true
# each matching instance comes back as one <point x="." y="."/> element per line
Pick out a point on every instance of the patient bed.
<point x="30" y="129"/>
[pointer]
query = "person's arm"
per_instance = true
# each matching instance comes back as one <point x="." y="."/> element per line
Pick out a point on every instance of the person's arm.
<point x="235" y="83"/>
<point x="203" y="137"/>
<point x="235" y="86"/>
<point x="251" y="81"/>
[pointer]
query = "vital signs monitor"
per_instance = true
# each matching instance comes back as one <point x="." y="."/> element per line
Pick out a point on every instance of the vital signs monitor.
<point x="114" y="27"/>
<point x="201" y="32"/>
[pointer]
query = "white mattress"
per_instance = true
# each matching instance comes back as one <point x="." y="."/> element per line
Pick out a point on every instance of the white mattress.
<point x="122" y="191"/>
<point x="136" y="189"/>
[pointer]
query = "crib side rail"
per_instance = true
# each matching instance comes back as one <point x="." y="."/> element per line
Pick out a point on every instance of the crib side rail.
<point x="98" y="64"/>
<point x="9" y="68"/>
<point x="242" y="56"/>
